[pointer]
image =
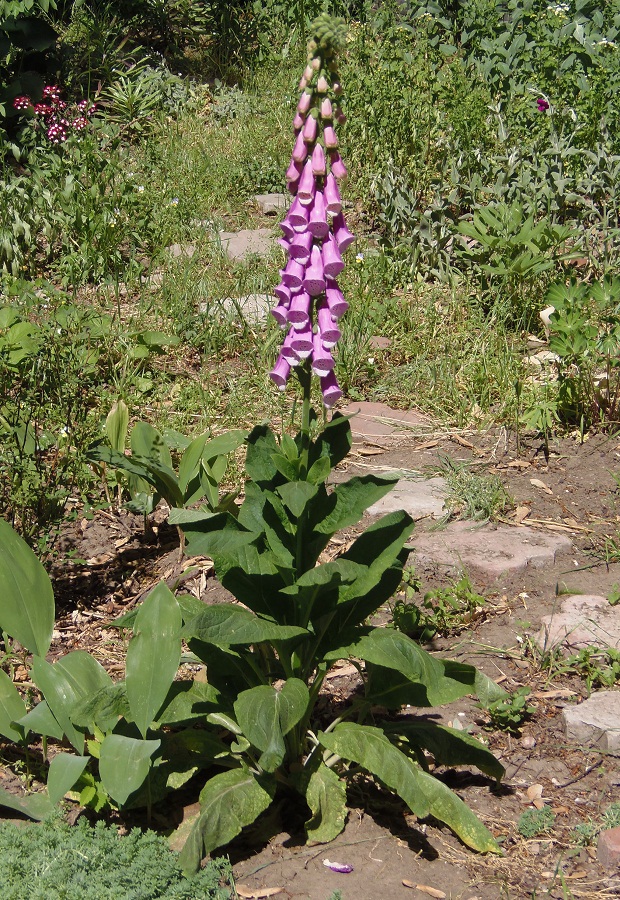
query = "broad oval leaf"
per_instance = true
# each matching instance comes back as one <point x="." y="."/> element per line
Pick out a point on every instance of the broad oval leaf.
<point x="41" y="721"/>
<point x="116" y="425"/>
<point x="35" y="806"/>
<point x="27" y="608"/>
<point x="64" y="771"/>
<point x="153" y="655"/>
<point x="147" y="442"/>
<point x="265" y="715"/>
<point x="423" y="794"/>
<point x="326" y="796"/>
<point x="227" y="625"/>
<point x="228" y="802"/>
<point x="12" y="708"/>
<point x="353" y="497"/>
<point x="124" y="764"/>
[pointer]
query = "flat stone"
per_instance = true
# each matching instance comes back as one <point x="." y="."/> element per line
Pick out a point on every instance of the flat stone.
<point x="372" y="420"/>
<point x="595" y="722"/>
<point x="378" y="342"/>
<point x="489" y="550"/>
<point x="420" y="498"/>
<point x="608" y="848"/>
<point x="178" y="251"/>
<point x="582" y="620"/>
<point x="248" y="242"/>
<point x="254" y="308"/>
<point x="271" y="204"/>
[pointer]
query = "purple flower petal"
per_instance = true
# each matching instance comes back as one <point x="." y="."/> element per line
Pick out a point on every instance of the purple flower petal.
<point x="304" y="103"/>
<point x="293" y="173"/>
<point x="298" y="216"/>
<point x="329" y="331"/>
<point x="300" y="150"/>
<point x="301" y="342"/>
<point x="300" y="247"/>
<point x="322" y="360"/>
<point x="343" y="236"/>
<point x="314" y="278"/>
<point x="310" y="129"/>
<point x="279" y="374"/>
<point x="307" y="188"/>
<point x="318" y="160"/>
<point x="332" y="260"/>
<point x="326" y="109"/>
<point x="342" y="868"/>
<point x="293" y="274"/>
<point x="329" y="137"/>
<point x="333" y="203"/>
<point x="299" y="309"/>
<point x="317" y="224"/>
<point x="283" y="293"/>
<point x="337" y="165"/>
<point x="280" y="314"/>
<point x="335" y="300"/>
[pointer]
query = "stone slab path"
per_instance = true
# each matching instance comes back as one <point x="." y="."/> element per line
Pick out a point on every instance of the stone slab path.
<point x="582" y="620"/>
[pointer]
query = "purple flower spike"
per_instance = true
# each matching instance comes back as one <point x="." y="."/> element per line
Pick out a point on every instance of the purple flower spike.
<point x="299" y="310"/>
<point x="287" y="351"/>
<point x="287" y="228"/>
<point x="318" y="160"/>
<point x="322" y="360"/>
<point x="283" y="294"/>
<point x="329" y="137"/>
<point x="337" y="165"/>
<point x="317" y="224"/>
<point x="285" y="244"/>
<point x="326" y="109"/>
<point x="280" y="372"/>
<point x="310" y="129"/>
<point x="302" y="342"/>
<point x="298" y="122"/>
<point x="329" y="331"/>
<point x="314" y="279"/>
<point x="333" y="203"/>
<point x="343" y="236"/>
<point x="307" y="188"/>
<point x="322" y="85"/>
<point x="293" y="173"/>
<point x="304" y="103"/>
<point x="280" y="314"/>
<point x="293" y="274"/>
<point x="300" y="150"/>
<point x="331" y="394"/>
<point x="300" y="247"/>
<point x="332" y="260"/>
<point x="340" y="116"/>
<point x="298" y="216"/>
<point x="335" y="300"/>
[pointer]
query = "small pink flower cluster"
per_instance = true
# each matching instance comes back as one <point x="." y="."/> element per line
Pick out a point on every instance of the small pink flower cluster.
<point x="58" y="122"/>
<point x="315" y="234"/>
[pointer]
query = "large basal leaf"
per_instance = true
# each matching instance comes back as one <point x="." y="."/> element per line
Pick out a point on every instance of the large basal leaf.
<point x="326" y="795"/>
<point x="228" y="802"/>
<point x="485" y="689"/>
<point x="192" y="747"/>
<point x="41" y="721"/>
<point x="423" y="794"/>
<point x="353" y="497"/>
<point x="117" y="424"/>
<point x="147" y="442"/>
<point x="35" y="806"/>
<point x="296" y="494"/>
<point x="153" y="655"/>
<point x="265" y="715"/>
<point x="64" y="771"/>
<point x="103" y="709"/>
<point x="218" y="536"/>
<point x="259" y="463"/>
<point x="448" y="746"/>
<point x="69" y="680"/>
<point x="27" y="606"/>
<point x="186" y="701"/>
<point x="227" y="625"/>
<point x="124" y="764"/>
<point x="334" y="441"/>
<point x="12" y="708"/>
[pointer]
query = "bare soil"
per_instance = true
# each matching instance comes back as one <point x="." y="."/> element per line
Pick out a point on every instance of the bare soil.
<point x="107" y="563"/>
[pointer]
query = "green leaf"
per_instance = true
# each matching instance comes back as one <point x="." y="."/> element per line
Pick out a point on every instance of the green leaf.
<point x="423" y="794"/>
<point x="27" y="607"/>
<point x="69" y="680"/>
<point x="266" y="715"/>
<point x="35" y="806"/>
<point x="259" y="463"/>
<point x="333" y="443"/>
<point x="117" y="424"/>
<point x="353" y="497"/>
<point x="148" y="443"/>
<point x="229" y="801"/>
<point x="153" y="655"/>
<point x="64" y="771"/>
<point x="226" y="625"/>
<point x="12" y="708"/>
<point x="124" y="764"/>
<point x="41" y="721"/>
<point x="448" y="746"/>
<point x="296" y="494"/>
<point x="186" y="701"/>
<point x="326" y="796"/>
<point x="103" y="709"/>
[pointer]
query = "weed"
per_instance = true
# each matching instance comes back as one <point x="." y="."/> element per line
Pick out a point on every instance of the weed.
<point x="509" y="713"/>
<point x="440" y="612"/>
<point x="535" y="821"/>
<point x="473" y="496"/>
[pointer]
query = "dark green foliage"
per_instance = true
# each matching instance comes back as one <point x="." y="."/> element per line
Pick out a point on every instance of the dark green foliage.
<point x="53" y="861"/>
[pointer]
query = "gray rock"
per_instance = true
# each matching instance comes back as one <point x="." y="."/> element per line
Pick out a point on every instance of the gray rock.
<point x="271" y="204"/>
<point x="254" y="308"/>
<point x="581" y="621"/>
<point x="249" y="242"/>
<point x="420" y="498"/>
<point x="595" y="722"/>
<point x="177" y="251"/>
<point x="489" y="550"/>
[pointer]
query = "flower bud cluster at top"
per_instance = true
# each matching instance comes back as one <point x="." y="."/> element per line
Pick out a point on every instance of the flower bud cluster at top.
<point x="59" y="119"/>
<point x="315" y="233"/>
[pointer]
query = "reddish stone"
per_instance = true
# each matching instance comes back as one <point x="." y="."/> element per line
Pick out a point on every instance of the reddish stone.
<point x="608" y="848"/>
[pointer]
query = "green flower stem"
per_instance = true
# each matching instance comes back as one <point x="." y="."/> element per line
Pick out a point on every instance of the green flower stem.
<point x="305" y="377"/>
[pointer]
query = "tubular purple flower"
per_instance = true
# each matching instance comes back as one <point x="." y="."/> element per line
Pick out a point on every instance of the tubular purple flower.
<point x="333" y="203"/>
<point x="307" y="188"/>
<point x="315" y="65"/>
<point x="310" y="129"/>
<point x="318" y="160"/>
<point x="280" y="314"/>
<point x="298" y="216"/>
<point x="329" y="331"/>
<point x="343" y="236"/>
<point x="300" y="247"/>
<point x="326" y="109"/>
<point x="335" y="300"/>
<point x="322" y="359"/>
<point x="287" y="228"/>
<point x="279" y="374"/>
<point x="332" y="260"/>
<point x="303" y="83"/>
<point x="329" y="137"/>
<point x="287" y="351"/>
<point x="317" y="224"/>
<point x="293" y="275"/>
<point x="314" y="278"/>
<point x="299" y="310"/>
<point x="285" y="244"/>
<point x="337" y="88"/>
<point x="301" y="343"/>
<point x="322" y="85"/>
<point x="309" y="72"/>
<point x="300" y="150"/>
<point x="337" y="166"/>
<point x="305" y="102"/>
<point x="298" y="122"/>
<point x="283" y="294"/>
<point x="331" y="389"/>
